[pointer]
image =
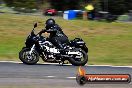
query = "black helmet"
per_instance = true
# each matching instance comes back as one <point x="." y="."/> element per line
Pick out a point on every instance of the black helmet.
<point x="50" y="22"/>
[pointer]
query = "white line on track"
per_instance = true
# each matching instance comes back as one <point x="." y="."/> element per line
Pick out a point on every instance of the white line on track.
<point x="11" y="61"/>
<point x="109" y="66"/>
<point x="69" y="64"/>
<point x="63" y="77"/>
<point x="51" y="76"/>
<point x="71" y="77"/>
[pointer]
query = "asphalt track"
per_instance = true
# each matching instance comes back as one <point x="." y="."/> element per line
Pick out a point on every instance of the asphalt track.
<point x="18" y="75"/>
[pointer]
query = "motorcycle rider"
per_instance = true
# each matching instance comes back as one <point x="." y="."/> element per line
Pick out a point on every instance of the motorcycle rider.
<point x="56" y="37"/>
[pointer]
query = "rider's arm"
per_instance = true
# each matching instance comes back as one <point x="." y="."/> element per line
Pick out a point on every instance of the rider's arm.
<point x="42" y="31"/>
<point x="47" y="30"/>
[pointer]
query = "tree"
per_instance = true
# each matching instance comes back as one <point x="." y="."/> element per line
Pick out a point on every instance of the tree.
<point x="128" y="4"/>
<point x="9" y="2"/>
<point x="65" y="4"/>
<point x="30" y="4"/>
<point x="117" y="6"/>
<point x="97" y="5"/>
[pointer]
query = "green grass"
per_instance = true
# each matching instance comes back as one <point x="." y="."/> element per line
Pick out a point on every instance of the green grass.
<point x="109" y="43"/>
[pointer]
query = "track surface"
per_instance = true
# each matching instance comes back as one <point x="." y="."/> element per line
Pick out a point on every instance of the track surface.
<point x="14" y="75"/>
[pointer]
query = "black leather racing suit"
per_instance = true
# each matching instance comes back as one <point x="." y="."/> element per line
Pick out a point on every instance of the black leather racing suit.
<point x="57" y="37"/>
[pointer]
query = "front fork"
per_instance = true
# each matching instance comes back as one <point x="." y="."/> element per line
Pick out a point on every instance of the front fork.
<point x="30" y="52"/>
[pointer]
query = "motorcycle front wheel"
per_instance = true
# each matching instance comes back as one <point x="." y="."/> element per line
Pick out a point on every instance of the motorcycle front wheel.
<point x="81" y="61"/>
<point x="26" y="58"/>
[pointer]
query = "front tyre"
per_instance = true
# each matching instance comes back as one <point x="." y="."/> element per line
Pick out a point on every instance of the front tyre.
<point x="79" y="61"/>
<point x="26" y="58"/>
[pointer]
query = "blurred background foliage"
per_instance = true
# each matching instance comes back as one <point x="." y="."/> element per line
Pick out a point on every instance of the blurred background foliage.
<point x="116" y="7"/>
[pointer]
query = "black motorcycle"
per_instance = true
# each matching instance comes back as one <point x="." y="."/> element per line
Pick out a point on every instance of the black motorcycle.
<point x="39" y="46"/>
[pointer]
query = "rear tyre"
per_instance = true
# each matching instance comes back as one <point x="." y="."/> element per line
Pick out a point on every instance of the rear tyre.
<point x="80" y="62"/>
<point x="26" y="58"/>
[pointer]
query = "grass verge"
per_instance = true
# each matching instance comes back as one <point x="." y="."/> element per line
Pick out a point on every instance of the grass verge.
<point x="108" y="43"/>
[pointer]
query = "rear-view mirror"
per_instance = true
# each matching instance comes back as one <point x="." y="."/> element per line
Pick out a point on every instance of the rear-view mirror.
<point x="35" y="25"/>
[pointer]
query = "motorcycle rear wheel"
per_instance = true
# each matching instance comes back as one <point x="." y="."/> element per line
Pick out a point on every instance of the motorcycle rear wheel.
<point x="24" y="56"/>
